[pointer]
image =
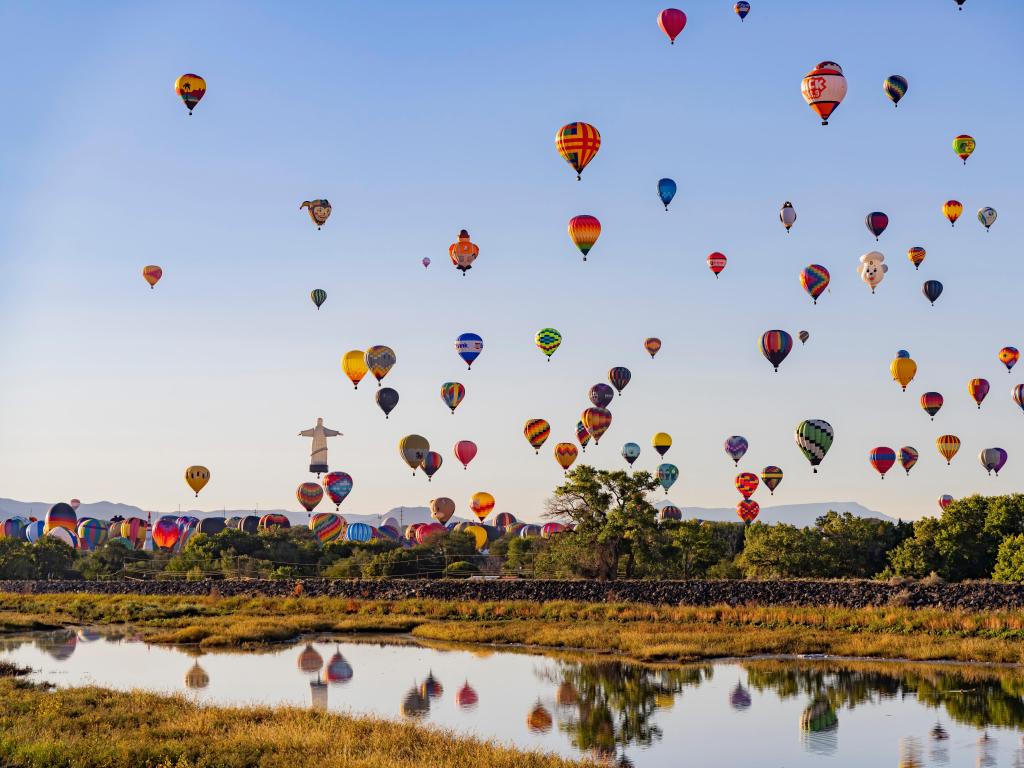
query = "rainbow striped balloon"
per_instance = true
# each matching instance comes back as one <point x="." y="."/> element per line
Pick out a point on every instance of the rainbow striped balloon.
<point x="584" y="231"/>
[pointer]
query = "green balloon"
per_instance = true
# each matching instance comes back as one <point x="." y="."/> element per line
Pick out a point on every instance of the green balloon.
<point x="814" y="437"/>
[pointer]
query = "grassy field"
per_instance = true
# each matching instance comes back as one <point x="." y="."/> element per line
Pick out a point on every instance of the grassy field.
<point x="648" y="633"/>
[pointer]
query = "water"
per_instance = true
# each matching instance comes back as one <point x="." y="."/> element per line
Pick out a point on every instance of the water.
<point x="765" y="713"/>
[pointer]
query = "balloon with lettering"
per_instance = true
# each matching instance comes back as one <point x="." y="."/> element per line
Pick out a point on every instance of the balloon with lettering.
<point x="952" y="209"/>
<point x="190" y="89"/>
<point x="776" y="346"/>
<point x="916" y="256"/>
<point x="895" y="87"/>
<point x="338" y="486"/>
<point x="537" y="432"/>
<point x="771" y="476"/>
<point x="672" y="21"/>
<point x="787" y="215"/>
<point x="465" y="452"/>
<point x="309" y="495"/>
<point x="823" y="89"/>
<point x="597" y="421"/>
<point x="578" y="144"/>
<point x="814" y="437"/>
<point x="908" y="458"/>
<point x="601" y="395"/>
<point x="60" y="515"/>
<point x="666" y="191"/>
<point x="584" y="231"/>
<point x="741" y="9"/>
<point x="815" y="279"/>
<point x="736" y="446"/>
<point x="717" y="262"/>
<point x="468" y="346"/>
<point x="964" y="146"/>
<point x="948" y="445"/>
<point x="1009" y="356"/>
<point x="876" y="222"/>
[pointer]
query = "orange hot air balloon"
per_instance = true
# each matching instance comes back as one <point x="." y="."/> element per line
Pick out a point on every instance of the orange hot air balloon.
<point x="482" y="503"/>
<point x="537" y="432"/>
<point x="596" y="420"/>
<point x="152" y="275"/>
<point x="191" y="88"/>
<point x="463" y="252"/>
<point x="652" y="345"/>
<point x="578" y="144"/>
<point x="584" y="231"/>
<point x="952" y="209"/>
<point x="916" y="255"/>
<point x="565" y="455"/>
<point x="948" y="445"/>
<point x="823" y="89"/>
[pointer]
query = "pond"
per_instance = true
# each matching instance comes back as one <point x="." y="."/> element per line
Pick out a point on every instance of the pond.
<point x="765" y="712"/>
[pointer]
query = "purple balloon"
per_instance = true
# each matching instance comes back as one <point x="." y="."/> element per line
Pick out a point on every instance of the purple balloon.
<point x="736" y="446"/>
<point x="601" y="395"/>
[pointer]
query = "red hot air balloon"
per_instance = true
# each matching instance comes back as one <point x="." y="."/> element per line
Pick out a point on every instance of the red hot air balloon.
<point x="748" y="510"/>
<point x="597" y="421"/>
<point x="746" y="484"/>
<point x="465" y="452"/>
<point x="717" y="262"/>
<point x="882" y="459"/>
<point x="876" y="222"/>
<point x="672" y="21"/>
<point x="931" y="402"/>
<point x="978" y="389"/>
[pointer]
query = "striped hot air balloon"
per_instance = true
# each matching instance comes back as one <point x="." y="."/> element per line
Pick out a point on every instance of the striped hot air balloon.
<point x="578" y="144"/>
<point x="597" y="421"/>
<point x="948" y="445"/>
<point x="771" y="476"/>
<point x="776" y="346"/>
<point x="565" y="455"/>
<point x="882" y="458"/>
<point x="318" y="296"/>
<point x="537" y="432"/>
<point x="431" y="463"/>
<point x="931" y="402"/>
<point x="584" y="231"/>
<point x="908" y="458"/>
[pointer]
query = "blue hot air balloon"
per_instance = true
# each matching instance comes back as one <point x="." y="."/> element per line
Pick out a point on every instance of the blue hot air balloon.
<point x="469" y="346"/>
<point x="932" y="289"/>
<point x="666" y="191"/>
<point x="358" y="532"/>
<point x="631" y="452"/>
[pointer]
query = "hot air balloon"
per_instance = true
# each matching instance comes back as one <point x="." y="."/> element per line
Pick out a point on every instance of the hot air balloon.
<point x="932" y="289"/>
<point x="452" y="393"/>
<point x="945" y="500"/>
<point x="584" y="231"/>
<point x="309" y="495"/>
<point x="197" y="477"/>
<point x="736" y="446"/>
<point x="578" y="144"/>
<point x="619" y="377"/>
<point x="431" y="463"/>
<point x="1017" y="394"/>
<point x="465" y="452"/>
<point x="34" y="532"/>
<point x="908" y="458"/>
<point x="987" y="217"/>
<point x="412" y="449"/>
<point x="669" y="512"/>
<point x="959" y="4"/>
<point x="746" y="484"/>
<point x="548" y="340"/>
<point x="379" y="360"/>
<point x="630" y="452"/>
<point x="462" y="253"/>
<point x="931" y="402"/>
<point x="338" y="485"/>
<point x="717" y="262"/>
<point x="327" y="526"/>
<point x="481" y="503"/>
<point x="814" y="437"/>
<point x="872" y="270"/>
<point x="775" y="346"/>
<point x="948" y="445"/>
<point x="60" y="515"/>
<point x="63" y="534"/>
<point x="504" y="520"/>
<point x="741" y="9"/>
<point x="666" y="191"/>
<point x="823" y="89"/>
<point x="536" y="432"/>
<point x="952" y="209"/>
<point x="876" y="222"/>
<point x="165" y="533"/>
<point x="978" y="389"/>
<point x="190" y="88"/>
<point x="895" y="87"/>
<point x="882" y="458"/>
<point x="318" y="296"/>
<point x="803" y="336"/>
<point x="565" y="455"/>
<point x="92" y="533"/>
<point x="442" y="509"/>
<point x="652" y="345"/>
<point x="787" y="215"/>
<point x="597" y="421"/>
<point x="662" y="442"/>
<point x="582" y="435"/>
<point x="319" y="211"/>
<point x="672" y="21"/>
<point x="903" y="368"/>
<point x="469" y="346"/>
<point x="992" y="459"/>
<point x="601" y="395"/>
<point x="425" y="261"/>
<point x="771" y="476"/>
<point x="134" y="529"/>
<point x="963" y="145"/>
<point x="353" y="365"/>
<point x="387" y="399"/>
<point x="667" y="475"/>
<point x="814" y="279"/>
<point x="1009" y="356"/>
<point x="358" y="532"/>
<point x="748" y="510"/>
<point x="916" y="256"/>
<point x="14" y="528"/>
<point x="152" y="274"/>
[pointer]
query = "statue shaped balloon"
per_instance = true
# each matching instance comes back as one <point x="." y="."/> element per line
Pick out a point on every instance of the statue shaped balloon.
<point x="318" y="453"/>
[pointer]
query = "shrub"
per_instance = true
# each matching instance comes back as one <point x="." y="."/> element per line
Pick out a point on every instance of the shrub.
<point x="1010" y="559"/>
<point x="460" y="569"/>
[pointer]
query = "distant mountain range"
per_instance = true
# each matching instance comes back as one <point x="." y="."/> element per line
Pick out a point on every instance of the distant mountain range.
<point x="794" y="514"/>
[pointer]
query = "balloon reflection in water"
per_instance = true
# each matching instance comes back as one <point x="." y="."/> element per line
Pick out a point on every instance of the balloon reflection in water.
<point x="431" y="687"/>
<point x="338" y="669"/>
<point x="58" y="645"/>
<point x="309" y="661"/>
<point x="466" y="697"/>
<point x="415" y="704"/>
<point x="739" y="699"/>
<point x="196" y="678"/>
<point x="318" y="693"/>
<point x="539" y="720"/>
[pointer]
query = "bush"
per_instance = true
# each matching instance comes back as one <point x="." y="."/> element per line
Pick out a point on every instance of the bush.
<point x="460" y="569"/>
<point x="1010" y="559"/>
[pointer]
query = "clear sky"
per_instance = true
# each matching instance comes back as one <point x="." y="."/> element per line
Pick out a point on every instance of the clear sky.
<point x="418" y="119"/>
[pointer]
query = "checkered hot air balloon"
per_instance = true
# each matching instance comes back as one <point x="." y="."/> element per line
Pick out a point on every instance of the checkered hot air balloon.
<point x="578" y="144"/>
<point x="379" y="360"/>
<point x="565" y="455"/>
<point x="338" y="486"/>
<point x="548" y="341"/>
<point x="746" y="484"/>
<point x="814" y="437"/>
<point x="748" y="510"/>
<point x="582" y="435"/>
<point x="537" y="432"/>
<point x="815" y="279"/>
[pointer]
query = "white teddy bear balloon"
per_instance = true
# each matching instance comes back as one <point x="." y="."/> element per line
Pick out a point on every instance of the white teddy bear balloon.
<point x="871" y="269"/>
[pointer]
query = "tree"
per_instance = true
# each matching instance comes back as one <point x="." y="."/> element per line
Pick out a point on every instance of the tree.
<point x="1010" y="559"/>
<point x="783" y="551"/>
<point x="917" y="556"/>
<point x="16" y="559"/>
<point x="53" y="559"/>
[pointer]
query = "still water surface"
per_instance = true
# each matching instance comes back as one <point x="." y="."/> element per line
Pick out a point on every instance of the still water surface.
<point x="763" y="713"/>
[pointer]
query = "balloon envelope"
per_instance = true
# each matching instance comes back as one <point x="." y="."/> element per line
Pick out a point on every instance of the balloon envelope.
<point x="666" y="191"/>
<point x="824" y="88"/>
<point x="601" y="395"/>
<point x="537" y="432"/>
<point x="578" y="144"/>
<point x="672" y="21"/>
<point x="468" y="346"/>
<point x="584" y="231"/>
<point x="630" y="452"/>
<point x="895" y="87"/>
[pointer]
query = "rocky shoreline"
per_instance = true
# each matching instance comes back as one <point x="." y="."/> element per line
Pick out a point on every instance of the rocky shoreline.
<point x="847" y="593"/>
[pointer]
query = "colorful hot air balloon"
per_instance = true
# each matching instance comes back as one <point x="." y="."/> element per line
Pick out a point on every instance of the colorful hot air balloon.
<point x="319" y="211"/>
<point x="895" y="87"/>
<point x="619" y="377"/>
<point x="318" y="296"/>
<point x="908" y="458"/>
<point x="666" y="191"/>
<point x="387" y="399"/>
<point x="667" y="475"/>
<point x="1017" y="395"/>
<point x="741" y="9"/>
<point x="481" y="503"/>
<point x="746" y="484"/>
<point x="992" y="459"/>
<point x="815" y="279"/>
<point x="669" y="512"/>
<point x="431" y="463"/>
<point x="987" y="216"/>
<point x="462" y="253"/>
<point x="903" y="369"/>
<point x="672" y="21"/>
<point x="916" y="255"/>
<point x="652" y="345"/>
<point x="945" y="500"/>
<point x="165" y="533"/>
<point x="152" y="273"/>
<point x="601" y="395"/>
<point x="584" y="231"/>
<point x="379" y="360"/>
<point x="823" y="89"/>
<point x="814" y="437"/>
<point x="578" y="144"/>
<point x="565" y="455"/>
<point x="412" y="449"/>
<point x="876" y="222"/>
<point x="717" y="262"/>
<point x="425" y="261"/>
<point x="442" y="509"/>
<point x="465" y="452"/>
<point x="978" y="389"/>
<point x="452" y="393"/>
<point x="662" y="441"/>
<point x="803" y="336"/>
<point x="748" y="510"/>
<point x="932" y="289"/>
<point x="597" y="421"/>
<point x="771" y="476"/>
<point x="964" y="145"/>
<point x="537" y="432"/>
<point x="309" y="495"/>
<point x="1009" y="356"/>
<point x="736" y="446"/>
<point x="872" y="270"/>
<point x="582" y="435"/>
<point x="548" y="340"/>
<point x="190" y="88"/>
<point x="92" y="533"/>
<point x="60" y="515"/>
<point x="787" y="215"/>
<point x="353" y="365"/>
<point x="775" y="346"/>
<point x="882" y="458"/>
<point x="952" y="209"/>
<point x="948" y="445"/>
<point x="630" y="452"/>
<point x="469" y="346"/>
<point x="197" y="477"/>
<point x="338" y="486"/>
<point x="931" y="402"/>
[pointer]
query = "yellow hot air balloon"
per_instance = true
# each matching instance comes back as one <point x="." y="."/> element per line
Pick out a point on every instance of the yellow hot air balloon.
<point x="952" y="209"/>
<point x="948" y="445"/>
<point x="413" y="448"/>
<point x="964" y="145"/>
<point x="565" y="454"/>
<point x="479" y="535"/>
<point x="662" y="442"/>
<point x="481" y="503"/>
<point x="197" y="477"/>
<point x="353" y="363"/>
<point x="903" y="369"/>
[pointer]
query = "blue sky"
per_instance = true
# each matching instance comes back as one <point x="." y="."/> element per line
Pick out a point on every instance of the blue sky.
<point x="417" y="120"/>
